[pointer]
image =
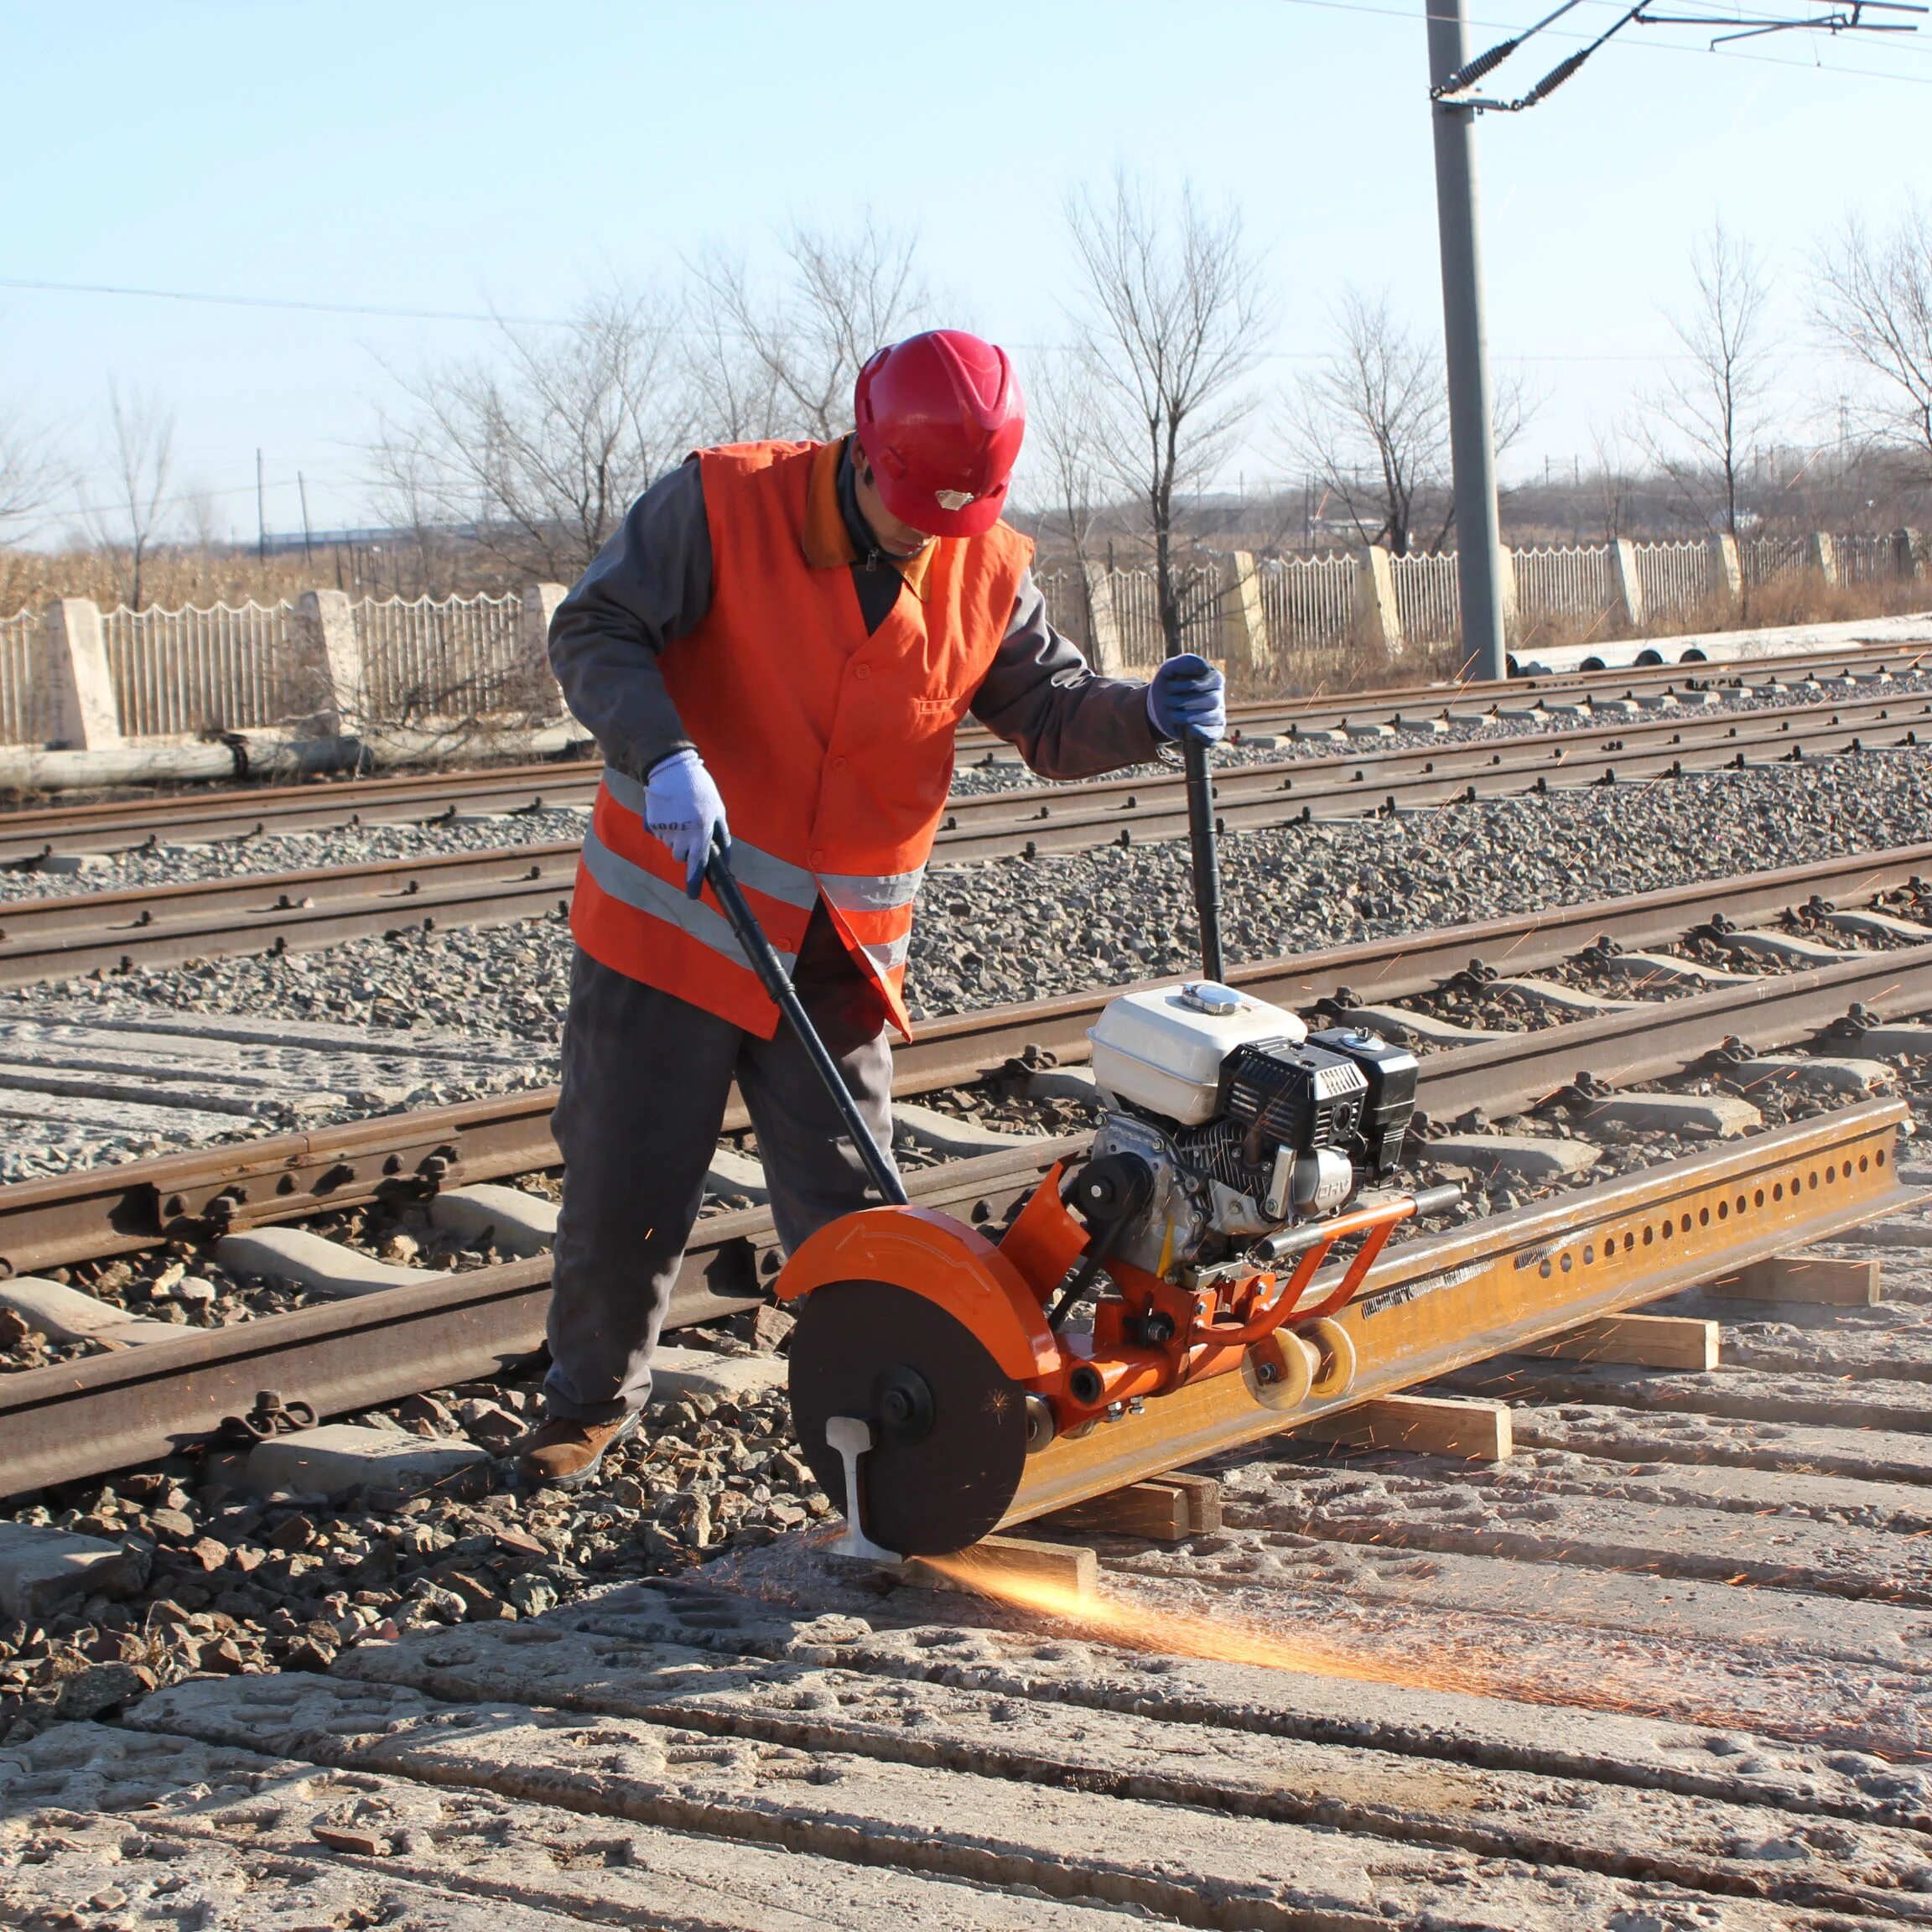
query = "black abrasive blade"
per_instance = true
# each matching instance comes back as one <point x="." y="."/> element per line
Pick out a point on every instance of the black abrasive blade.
<point x="949" y="1424"/>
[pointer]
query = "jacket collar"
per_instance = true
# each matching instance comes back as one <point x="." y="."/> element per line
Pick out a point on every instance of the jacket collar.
<point x="827" y="540"/>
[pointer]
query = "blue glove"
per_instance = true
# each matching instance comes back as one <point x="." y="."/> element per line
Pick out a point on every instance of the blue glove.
<point x="682" y="807"/>
<point x="1189" y="698"/>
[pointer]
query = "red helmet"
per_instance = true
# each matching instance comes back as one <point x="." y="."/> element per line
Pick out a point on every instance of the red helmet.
<point x="941" y="419"/>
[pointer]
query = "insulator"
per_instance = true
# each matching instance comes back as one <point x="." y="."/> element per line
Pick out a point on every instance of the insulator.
<point x="1556" y="78"/>
<point x="1473" y="71"/>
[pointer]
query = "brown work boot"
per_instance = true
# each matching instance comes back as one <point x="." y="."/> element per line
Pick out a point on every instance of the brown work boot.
<point x="566" y="1453"/>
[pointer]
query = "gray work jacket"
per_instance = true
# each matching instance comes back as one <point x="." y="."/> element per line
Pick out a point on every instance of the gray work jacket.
<point x="651" y="584"/>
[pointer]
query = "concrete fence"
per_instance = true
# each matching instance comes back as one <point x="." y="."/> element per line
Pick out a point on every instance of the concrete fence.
<point x="327" y="664"/>
<point x="22" y="708"/>
<point x="1258" y="612"/>
<point x="324" y="664"/>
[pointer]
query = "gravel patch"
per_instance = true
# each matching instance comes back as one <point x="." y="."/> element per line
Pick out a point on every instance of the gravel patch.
<point x="239" y="1584"/>
<point x="1025" y="929"/>
<point x="1018" y="929"/>
<point x="998" y="771"/>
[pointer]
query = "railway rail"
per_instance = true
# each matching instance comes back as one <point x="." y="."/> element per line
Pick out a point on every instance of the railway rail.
<point x="59" y="1422"/>
<point x="69" y="933"/>
<point x="1658" y="1666"/>
<point x="119" y="1208"/>
<point x="31" y="835"/>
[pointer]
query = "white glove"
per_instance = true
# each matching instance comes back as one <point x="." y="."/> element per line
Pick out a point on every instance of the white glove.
<point x="683" y="806"/>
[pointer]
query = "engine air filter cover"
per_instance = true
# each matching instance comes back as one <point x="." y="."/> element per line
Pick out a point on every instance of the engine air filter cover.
<point x="1162" y="1048"/>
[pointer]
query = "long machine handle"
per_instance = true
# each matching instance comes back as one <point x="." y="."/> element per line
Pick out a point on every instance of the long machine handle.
<point x="1306" y="1234"/>
<point x="770" y="970"/>
<point x="1206" y="863"/>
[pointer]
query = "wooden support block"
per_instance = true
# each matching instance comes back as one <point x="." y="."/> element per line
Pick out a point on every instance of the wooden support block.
<point x="1804" y="1278"/>
<point x="1163" y="1509"/>
<point x="1642" y="1341"/>
<point x="1065" y="1568"/>
<point x="1427" y="1425"/>
<point x="1154" y="1509"/>
<point x="1203" y="1499"/>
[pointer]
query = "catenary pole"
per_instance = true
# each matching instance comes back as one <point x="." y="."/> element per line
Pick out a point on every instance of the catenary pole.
<point x="1472" y="433"/>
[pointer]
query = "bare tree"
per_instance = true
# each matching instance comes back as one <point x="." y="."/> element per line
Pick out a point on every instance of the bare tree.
<point x="1169" y="322"/>
<point x="204" y="519"/>
<point x="1371" y="425"/>
<point x="1615" y="482"/>
<point x="783" y="363"/>
<point x="31" y="478"/>
<point x="140" y="462"/>
<point x="1066" y="436"/>
<point x="1700" y="425"/>
<point x="1872" y="297"/>
<point x="542" y="451"/>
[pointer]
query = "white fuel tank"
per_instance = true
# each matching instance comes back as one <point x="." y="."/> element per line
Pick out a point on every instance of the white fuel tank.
<point x="1162" y="1049"/>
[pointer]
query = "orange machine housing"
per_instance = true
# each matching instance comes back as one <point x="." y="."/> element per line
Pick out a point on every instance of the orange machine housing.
<point x="1151" y="1337"/>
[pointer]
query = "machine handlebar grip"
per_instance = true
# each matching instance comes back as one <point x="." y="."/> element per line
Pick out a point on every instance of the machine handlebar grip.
<point x="1304" y="1234"/>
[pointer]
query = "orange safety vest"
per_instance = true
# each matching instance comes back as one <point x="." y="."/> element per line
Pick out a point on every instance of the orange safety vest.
<point x="832" y="750"/>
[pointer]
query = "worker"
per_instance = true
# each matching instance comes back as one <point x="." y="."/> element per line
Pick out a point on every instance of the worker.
<point x="776" y="646"/>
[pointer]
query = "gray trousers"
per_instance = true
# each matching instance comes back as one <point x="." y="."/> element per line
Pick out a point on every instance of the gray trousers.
<point x="645" y="1079"/>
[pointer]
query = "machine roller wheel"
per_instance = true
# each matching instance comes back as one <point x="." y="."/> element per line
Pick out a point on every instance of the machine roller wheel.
<point x="949" y="1427"/>
<point x="1335" y="1375"/>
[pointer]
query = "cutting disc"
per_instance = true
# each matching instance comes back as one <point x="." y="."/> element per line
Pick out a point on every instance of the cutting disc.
<point x="949" y="1424"/>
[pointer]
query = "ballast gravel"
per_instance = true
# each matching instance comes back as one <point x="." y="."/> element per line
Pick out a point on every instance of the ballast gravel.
<point x="439" y="832"/>
<point x="1014" y="929"/>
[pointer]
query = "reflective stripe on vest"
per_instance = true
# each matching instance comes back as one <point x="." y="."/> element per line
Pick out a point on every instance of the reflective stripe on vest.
<point x="650" y="894"/>
<point x="873" y="911"/>
<point x="889" y="957"/>
<point x="871" y="892"/>
<point x="775" y="878"/>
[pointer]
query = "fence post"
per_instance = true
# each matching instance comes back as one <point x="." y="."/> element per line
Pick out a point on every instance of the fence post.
<point x="1375" y="608"/>
<point x="1908" y="548"/>
<point x="1243" y="621"/>
<point x="1106" y="656"/>
<point x="540" y="602"/>
<point x="1821" y="555"/>
<point x="84" y="715"/>
<point x="328" y="621"/>
<point x="1625" y="585"/>
<point x="1726" y="567"/>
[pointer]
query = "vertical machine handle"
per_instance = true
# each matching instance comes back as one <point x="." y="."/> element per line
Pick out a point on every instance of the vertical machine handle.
<point x="777" y="983"/>
<point x="1206" y="863"/>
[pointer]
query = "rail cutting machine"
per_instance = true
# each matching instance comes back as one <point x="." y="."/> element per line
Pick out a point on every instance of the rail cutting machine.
<point x="930" y="1360"/>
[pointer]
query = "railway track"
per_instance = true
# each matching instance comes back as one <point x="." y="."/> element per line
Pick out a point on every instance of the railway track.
<point x="1639" y="1644"/>
<point x="113" y="1411"/>
<point x="70" y="934"/>
<point x="119" y="1208"/>
<point x="30" y="835"/>
<point x="124" y="1408"/>
<point x="1649" y="1657"/>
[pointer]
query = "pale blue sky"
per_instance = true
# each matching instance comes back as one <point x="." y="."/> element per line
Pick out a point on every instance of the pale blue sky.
<point x="431" y="154"/>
